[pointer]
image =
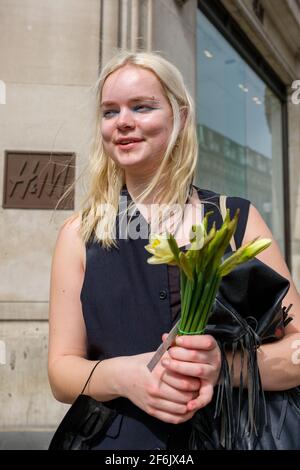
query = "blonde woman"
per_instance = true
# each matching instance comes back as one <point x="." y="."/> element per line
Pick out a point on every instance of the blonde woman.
<point x="106" y="302"/>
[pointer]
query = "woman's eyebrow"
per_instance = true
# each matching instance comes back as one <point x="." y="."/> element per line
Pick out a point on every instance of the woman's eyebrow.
<point x="132" y="100"/>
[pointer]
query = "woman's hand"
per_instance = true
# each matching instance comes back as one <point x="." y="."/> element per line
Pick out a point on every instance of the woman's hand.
<point x="196" y="356"/>
<point x="156" y="396"/>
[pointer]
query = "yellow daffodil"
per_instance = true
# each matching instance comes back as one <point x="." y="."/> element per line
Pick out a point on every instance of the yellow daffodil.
<point x="160" y="249"/>
<point x="202" y="266"/>
<point x="197" y="237"/>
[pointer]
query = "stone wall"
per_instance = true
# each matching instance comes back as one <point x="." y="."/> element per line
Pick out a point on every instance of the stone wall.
<point x="49" y="56"/>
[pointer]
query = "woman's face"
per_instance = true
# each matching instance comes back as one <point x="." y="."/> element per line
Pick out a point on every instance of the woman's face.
<point x="136" y="119"/>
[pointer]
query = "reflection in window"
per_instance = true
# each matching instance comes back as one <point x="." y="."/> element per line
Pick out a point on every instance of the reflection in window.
<point x="239" y="128"/>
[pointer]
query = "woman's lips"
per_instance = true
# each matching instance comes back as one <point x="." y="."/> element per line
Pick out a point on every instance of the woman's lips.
<point x="129" y="146"/>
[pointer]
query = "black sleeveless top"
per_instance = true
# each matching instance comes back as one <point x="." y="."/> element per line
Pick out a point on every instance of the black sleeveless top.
<point x="127" y="305"/>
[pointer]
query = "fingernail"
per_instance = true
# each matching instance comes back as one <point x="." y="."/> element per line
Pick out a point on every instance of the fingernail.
<point x="179" y="341"/>
<point x="165" y="362"/>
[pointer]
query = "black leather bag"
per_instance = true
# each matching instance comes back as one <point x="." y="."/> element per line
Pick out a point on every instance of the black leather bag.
<point x="247" y="313"/>
<point x="85" y="423"/>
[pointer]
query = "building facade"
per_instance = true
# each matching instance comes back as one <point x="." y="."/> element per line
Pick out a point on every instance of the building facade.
<point x="241" y="62"/>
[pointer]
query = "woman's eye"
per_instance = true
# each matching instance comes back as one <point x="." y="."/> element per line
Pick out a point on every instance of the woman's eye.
<point x="109" y="113"/>
<point x="142" y="107"/>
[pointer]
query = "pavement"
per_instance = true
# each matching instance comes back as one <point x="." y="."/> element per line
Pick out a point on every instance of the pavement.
<point x="25" y="440"/>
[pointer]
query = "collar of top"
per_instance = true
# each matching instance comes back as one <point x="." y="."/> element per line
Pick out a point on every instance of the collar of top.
<point x="125" y="192"/>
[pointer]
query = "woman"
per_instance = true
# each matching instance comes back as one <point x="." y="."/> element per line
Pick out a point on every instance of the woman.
<point x="107" y="303"/>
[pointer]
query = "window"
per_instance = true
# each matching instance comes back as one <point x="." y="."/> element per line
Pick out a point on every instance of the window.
<point x="240" y="128"/>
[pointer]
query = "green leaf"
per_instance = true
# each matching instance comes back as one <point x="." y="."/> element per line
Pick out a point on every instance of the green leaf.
<point x="243" y="254"/>
<point x="173" y="246"/>
<point x="185" y="265"/>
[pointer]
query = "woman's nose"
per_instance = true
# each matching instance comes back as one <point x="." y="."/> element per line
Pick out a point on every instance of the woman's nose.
<point x="125" y="119"/>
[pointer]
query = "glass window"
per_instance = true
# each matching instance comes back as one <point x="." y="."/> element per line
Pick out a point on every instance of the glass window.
<point x="239" y="121"/>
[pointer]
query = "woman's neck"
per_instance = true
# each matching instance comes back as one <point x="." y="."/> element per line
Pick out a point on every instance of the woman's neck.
<point x="136" y="186"/>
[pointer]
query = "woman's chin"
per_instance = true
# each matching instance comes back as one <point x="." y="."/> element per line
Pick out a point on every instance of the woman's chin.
<point x="130" y="161"/>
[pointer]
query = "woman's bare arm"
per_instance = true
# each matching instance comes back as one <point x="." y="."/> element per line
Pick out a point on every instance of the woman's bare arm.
<point x="68" y="367"/>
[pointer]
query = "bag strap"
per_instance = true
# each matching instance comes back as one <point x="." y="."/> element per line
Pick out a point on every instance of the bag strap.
<point x="89" y="377"/>
<point x="223" y="210"/>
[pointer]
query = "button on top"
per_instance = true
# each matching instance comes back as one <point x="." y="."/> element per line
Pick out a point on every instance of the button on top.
<point x="163" y="294"/>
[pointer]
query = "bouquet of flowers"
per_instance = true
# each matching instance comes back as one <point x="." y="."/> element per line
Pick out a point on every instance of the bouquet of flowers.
<point x="202" y="267"/>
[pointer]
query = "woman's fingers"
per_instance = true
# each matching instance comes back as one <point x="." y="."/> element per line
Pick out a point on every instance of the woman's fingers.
<point x="168" y="406"/>
<point x="204" y="397"/>
<point x="193" y="341"/>
<point x="206" y="342"/>
<point x="193" y="362"/>
<point x="169" y="401"/>
<point x="193" y="369"/>
<point x="191" y="355"/>
<point x="166" y="391"/>
<point x="181" y="382"/>
<point x="196" y="348"/>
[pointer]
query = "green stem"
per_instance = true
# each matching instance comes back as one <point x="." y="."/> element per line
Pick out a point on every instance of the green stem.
<point x="183" y="280"/>
<point x="183" y="291"/>
<point x="189" y="287"/>
<point x="195" y="300"/>
<point x="208" y="307"/>
<point x="183" y="294"/>
<point x="197" y="319"/>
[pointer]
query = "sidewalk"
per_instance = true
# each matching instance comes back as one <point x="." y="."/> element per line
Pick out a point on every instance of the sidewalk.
<point x="25" y="440"/>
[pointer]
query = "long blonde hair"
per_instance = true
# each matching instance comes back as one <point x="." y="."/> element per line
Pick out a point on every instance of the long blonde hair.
<point x="176" y="169"/>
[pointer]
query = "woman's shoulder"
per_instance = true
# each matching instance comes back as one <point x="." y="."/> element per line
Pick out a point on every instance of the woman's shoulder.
<point x="70" y="229"/>
<point x="72" y="222"/>
<point x="207" y="195"/>
<point x="69" y="238"/>
<point x="219" y="203"/>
